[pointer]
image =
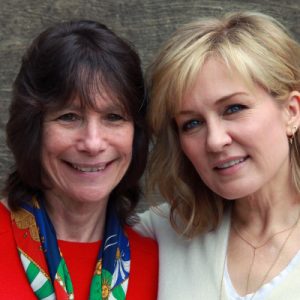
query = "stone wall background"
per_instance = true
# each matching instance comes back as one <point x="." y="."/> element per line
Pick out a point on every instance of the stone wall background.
<point x="147" y="23"/>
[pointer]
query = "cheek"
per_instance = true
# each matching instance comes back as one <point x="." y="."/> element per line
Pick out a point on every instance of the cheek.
<point x="50" y="139"/>
<point x="265" y="134"/>
<point x="52" y="147"/>
<point x="122" y="142"/>
<point x="54" y="144"/>
<point x="49" y="156"/>
<point x="184" y="145"/>
<point x="47" y="149"/>
<point x="48" y="163"/>
<point x="192" y="149"/>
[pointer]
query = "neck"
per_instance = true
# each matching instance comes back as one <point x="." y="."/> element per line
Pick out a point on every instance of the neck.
<point x="75" y="221"/>
<point x="262" y="215"/>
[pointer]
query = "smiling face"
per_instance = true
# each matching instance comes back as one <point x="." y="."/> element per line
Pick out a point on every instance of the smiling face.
<point x="85" y="153"/>
<point x="235" y="136"/>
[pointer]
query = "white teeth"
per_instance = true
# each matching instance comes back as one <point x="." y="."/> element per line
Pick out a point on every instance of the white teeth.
<point x="88" y="169"/>
<point x="230" y="163"/>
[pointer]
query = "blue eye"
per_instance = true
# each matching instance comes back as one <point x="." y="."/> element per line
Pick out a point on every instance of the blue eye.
<point x="231" y="109"/>
<point x="69" y="117"/>
<point x="189" y="125"/>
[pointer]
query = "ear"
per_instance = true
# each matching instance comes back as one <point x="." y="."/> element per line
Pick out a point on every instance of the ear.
<point x="292" y="107"/>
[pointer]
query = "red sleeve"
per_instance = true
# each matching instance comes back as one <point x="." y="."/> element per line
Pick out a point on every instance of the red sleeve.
<point x="143" y="278"/>
<point x="13" y="282"/>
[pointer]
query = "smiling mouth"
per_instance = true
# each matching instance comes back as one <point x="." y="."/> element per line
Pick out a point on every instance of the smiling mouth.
<point x="230" y="163"/>
<point x="86" y="169"/>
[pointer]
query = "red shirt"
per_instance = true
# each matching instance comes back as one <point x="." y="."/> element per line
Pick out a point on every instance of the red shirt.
<point x="81" y="260"/>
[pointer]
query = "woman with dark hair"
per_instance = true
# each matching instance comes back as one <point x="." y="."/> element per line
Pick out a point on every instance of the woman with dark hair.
<point x="76" y="130"/>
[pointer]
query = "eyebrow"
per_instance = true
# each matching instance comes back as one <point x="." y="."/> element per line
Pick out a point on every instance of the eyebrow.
<point x="218" y="101"/>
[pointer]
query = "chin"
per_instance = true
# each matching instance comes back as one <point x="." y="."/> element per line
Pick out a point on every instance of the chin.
<point x="232" y="195"/>
<point x="89" y="198"/>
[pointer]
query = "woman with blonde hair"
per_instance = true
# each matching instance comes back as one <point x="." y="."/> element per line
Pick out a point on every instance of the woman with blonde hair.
<point x="225" y="113"/>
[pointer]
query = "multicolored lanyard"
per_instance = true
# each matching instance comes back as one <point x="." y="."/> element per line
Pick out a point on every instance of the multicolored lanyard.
<point x="46" y="268"/>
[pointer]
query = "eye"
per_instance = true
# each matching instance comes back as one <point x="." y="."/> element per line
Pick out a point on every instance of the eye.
<point x="191" y="124"/>
<point x="115" y="117"/>
<point x="234" y="108"/>
<point x="69" y="117"/>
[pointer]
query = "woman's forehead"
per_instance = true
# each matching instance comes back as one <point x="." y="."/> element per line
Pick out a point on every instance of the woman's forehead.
<point x="97" y="102"/>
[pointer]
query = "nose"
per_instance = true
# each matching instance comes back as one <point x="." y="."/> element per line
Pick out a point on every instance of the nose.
<point x="218" y="136"/>
<point x="92" y="138"/>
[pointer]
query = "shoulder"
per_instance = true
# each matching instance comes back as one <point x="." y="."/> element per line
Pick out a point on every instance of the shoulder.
<point x="140" y="242"/>
<point x="143" y="267"/>
<point x="5" y="223"/>
<point x="144" y="252"/>
<point x="13" y="276"/>
<point x="154" y="221"/>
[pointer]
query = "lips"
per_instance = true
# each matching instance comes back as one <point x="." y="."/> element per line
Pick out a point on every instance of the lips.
<point x="230" y="163"/>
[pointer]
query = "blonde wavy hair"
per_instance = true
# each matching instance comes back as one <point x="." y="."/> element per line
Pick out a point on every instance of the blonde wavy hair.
<point x="256" y="46"/>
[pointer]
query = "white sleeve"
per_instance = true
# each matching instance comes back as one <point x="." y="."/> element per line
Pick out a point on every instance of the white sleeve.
<point x="151" y="220"/>
<point x="145" y="226"/>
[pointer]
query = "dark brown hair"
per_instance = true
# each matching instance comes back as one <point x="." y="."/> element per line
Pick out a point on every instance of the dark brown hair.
<point x="76" y="58"/>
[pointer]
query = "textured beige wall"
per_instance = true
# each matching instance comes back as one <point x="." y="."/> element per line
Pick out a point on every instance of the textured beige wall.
<point x="146" y="23"/>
